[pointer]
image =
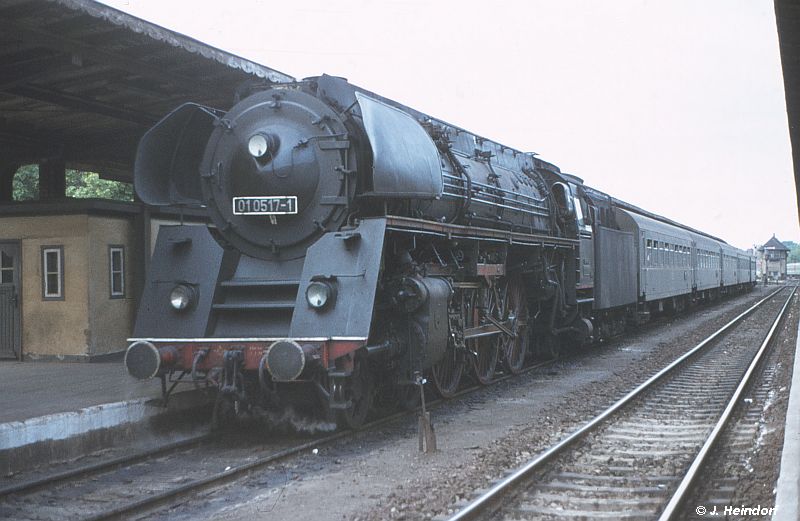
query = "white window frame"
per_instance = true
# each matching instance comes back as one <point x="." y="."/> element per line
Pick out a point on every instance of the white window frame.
<point x="120" y="293"/>
<point x="47" y="291"/>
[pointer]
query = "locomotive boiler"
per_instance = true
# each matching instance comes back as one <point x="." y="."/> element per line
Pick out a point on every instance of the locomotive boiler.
<point x="355" y="247"/>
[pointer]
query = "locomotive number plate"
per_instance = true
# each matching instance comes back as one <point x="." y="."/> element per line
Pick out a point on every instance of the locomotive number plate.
<point x="265" y="205"/>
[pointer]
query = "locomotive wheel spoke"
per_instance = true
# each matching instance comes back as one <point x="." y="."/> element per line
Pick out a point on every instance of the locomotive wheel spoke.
<point x="515" y="350"/>
<point x="484" y="360"/>
<point x="359" y="391"/>
<point x="447" y="372"/>
<point x="485" y="350"/>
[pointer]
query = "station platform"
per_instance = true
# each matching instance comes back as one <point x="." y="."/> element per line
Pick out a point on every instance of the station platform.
<point x="787" y="490"/>
<point x="34" y="389"/>
<point x="55" y="412"/>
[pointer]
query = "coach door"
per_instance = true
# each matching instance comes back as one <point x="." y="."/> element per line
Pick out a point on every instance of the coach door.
<point x="9" y="300"/>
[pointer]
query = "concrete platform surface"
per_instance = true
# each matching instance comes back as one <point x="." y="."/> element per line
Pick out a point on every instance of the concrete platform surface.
<point x="787" y="490"/>
<point x="33" y="389"/>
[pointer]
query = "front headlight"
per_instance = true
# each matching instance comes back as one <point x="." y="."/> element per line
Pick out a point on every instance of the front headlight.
<point x="318" y="294"/>
<point x="181" y="297"/>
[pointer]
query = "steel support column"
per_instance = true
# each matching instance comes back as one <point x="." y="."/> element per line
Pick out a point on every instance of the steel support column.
<point x="52" y="179"/>
<point x="7" y="171"/>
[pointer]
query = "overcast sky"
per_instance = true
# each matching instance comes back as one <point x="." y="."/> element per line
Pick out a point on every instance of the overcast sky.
<point x="677" y="106"/>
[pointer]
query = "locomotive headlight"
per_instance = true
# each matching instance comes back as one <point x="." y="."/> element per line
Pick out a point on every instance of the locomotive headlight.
<point x="257" y="145"/>
<point x="181" y="297"/>
<point x="319" y="294"/>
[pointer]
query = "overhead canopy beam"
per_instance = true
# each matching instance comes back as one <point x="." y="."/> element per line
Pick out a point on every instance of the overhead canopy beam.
<point x="21" y="73"/>
<point x="64" y="99"/>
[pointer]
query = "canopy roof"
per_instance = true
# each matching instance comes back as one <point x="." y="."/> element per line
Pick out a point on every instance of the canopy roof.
<point x="83" y="81"/>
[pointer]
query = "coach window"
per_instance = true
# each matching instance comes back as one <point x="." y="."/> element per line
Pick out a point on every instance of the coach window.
<point x="116" y="269"/>
<point x="53" y="272"/>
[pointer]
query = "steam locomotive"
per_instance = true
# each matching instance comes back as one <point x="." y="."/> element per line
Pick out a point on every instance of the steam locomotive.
<point x="357" y="248"/>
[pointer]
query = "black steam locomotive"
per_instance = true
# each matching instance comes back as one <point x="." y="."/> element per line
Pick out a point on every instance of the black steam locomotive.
<point x="357" y="246"/>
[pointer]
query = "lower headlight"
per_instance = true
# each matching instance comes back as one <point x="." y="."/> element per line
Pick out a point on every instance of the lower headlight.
<point x="181" y="297"/>
<point x="318" y="294"/>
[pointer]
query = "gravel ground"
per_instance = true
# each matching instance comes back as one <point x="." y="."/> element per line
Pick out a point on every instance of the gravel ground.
<point x="380" y="475"/>
<point x="759" y="486"/>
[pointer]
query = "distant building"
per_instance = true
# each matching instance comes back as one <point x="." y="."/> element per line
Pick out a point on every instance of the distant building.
<point x="772" y="258"/>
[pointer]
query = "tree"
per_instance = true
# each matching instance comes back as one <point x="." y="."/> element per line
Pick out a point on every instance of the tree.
<point x="26" y="183"/>
<point x="88" y="185"/>
<point x="794" y="251"/>
<point x="80" y="185"/>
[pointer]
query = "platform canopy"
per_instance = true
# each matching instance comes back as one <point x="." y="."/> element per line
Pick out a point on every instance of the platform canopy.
<point x="787" y="14"/>
<point x="80" y="82"/>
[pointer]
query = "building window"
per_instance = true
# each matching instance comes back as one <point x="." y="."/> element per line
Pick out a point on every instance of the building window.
<point x="6" y="268"/>
<point x="116" y="269"/>
<point x="53" y="272"/>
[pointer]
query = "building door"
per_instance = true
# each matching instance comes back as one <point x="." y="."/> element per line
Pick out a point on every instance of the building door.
<point x="9" y="300"/>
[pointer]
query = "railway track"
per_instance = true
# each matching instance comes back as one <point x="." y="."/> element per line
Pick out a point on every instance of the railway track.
<point x="639" y="458"/>
<point x="717" y="488"/>
<point x="150" y="480"/>
<point x="155" y="479"/>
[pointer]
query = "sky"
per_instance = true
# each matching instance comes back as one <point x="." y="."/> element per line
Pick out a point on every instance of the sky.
<point x="677" y="107"/>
